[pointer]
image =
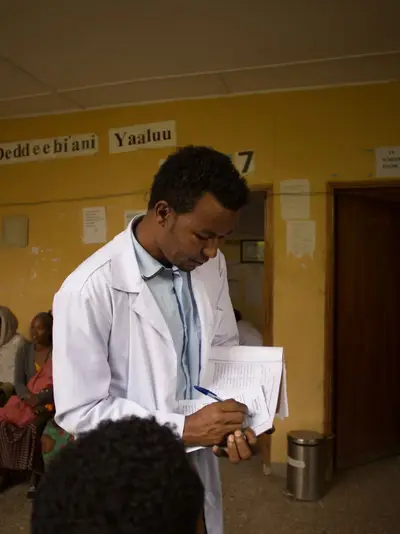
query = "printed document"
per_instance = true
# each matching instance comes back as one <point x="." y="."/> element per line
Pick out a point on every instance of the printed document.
<point x="255" y="376"/>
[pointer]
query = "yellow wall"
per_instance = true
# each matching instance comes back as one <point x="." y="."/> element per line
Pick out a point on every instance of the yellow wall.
<point x="320" y="135"/>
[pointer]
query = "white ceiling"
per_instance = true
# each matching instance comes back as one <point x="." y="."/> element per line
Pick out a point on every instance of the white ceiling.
<point x="61" y="56"/>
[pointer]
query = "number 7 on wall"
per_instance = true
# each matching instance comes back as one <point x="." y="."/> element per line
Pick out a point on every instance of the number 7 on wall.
<point x="244" y="161"/>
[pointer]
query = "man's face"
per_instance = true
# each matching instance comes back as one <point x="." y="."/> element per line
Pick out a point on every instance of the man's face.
<point x="191" y="239"/>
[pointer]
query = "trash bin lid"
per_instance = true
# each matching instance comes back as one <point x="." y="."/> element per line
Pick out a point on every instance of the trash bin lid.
<point x="305" y="437"/>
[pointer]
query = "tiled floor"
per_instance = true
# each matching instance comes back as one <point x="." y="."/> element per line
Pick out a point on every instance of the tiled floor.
<point x="363" y="501"/>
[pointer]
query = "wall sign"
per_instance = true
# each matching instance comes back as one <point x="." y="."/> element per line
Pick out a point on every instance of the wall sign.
<point x="94" y="225"/>
<point x="295" y="199"/>
<point x="387" y="162"/>
<point x="300" y="238"/>
<point x="244" y="161"/>
<point x="152" y="135"/>
<point x="66" y="146"/>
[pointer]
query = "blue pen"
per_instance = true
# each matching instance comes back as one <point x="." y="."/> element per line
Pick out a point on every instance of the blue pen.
<point x="208" y="393"/>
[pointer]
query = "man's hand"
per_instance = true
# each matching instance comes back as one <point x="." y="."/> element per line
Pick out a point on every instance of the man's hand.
<point x="213" y="423"/>
<point x="238" y="446"/>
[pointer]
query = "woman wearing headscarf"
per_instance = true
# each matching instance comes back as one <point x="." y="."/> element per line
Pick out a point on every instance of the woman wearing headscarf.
<point x="10" y="343"/>
<point x="25" y="415"/>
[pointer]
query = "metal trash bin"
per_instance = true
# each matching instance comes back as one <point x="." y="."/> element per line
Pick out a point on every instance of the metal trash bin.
<point x="309" y="465"/>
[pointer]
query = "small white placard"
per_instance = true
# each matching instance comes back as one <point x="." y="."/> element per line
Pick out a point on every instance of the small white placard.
<point x="138" y="136"/>
<point x="130" y="214"/>
<point x="300" y="238"/>
<point x="244" y="161"/>
<point x="295" y="199"/>
<point x="387" y="162"/>
<point x="15" y="231"/>
<point x="94" y="225"/>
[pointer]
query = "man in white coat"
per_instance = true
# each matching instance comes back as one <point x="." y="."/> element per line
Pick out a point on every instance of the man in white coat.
<point x="134" y="325"/>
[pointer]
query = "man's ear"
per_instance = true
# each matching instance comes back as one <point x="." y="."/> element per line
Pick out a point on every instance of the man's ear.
<point x="162" y="211"/>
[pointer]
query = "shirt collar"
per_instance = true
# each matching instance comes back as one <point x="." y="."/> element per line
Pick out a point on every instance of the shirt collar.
<point x="149" y="267"/>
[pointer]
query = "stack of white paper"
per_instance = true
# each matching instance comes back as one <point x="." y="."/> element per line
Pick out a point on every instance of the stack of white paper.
<point x="255" y="376"/>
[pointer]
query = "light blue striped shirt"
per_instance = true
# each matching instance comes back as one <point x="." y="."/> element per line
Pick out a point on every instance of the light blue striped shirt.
<point x="172" y="291"/>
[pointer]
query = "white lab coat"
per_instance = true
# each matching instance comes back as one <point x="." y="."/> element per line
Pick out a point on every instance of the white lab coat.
<point x="113" y="355"/>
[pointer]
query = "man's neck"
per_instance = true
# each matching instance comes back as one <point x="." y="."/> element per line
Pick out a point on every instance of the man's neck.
<point x="144" y="233"/>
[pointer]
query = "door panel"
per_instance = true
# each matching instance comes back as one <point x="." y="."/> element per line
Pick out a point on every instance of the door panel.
<point x="367" y="328"/>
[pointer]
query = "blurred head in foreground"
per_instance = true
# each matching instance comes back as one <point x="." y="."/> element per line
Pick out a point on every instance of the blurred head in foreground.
<point x="127" y="477"/>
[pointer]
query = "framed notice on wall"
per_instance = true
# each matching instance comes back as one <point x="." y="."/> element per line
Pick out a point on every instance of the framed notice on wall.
<point x="252" y="251"/>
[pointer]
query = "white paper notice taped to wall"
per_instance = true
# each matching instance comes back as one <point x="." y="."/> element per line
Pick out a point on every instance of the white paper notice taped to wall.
<point x="295" y="199"/>
<point x="300" y="238"/>
<point x="94" y="225"/>
<point x="387" y="162"/>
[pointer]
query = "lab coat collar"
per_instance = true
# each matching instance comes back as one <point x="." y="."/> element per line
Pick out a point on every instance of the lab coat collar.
<point x="126" y="276"/>
<point x="125" y="273"/>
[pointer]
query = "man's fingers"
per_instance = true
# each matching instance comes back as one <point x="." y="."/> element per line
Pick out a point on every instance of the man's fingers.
<point x="218" y="451"/>
<point x="231" y="412"/>
<point x="238" y="445"/>
<point x="242" y="446"/>
<point x="250" y="436"/>
<point x="232" y="419"/>
<point x="231" y="428"/>
<point x="236" y="449"/>
<point x="231" y="449"/>
<point x="232" y="406"/>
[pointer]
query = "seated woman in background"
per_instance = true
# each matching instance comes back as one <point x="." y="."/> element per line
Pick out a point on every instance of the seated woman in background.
<point x="248" y="334"/>
<point x="25" y="415"/>
<point x="10" y="342"/>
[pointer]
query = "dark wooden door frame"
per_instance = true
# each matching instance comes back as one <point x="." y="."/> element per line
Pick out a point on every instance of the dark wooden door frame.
<point x="332" y="189"/>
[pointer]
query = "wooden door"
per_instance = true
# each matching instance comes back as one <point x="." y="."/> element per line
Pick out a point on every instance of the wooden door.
<point x="367" y="326"/>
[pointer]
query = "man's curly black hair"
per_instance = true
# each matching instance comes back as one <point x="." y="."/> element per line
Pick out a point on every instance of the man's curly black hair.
<point x="193" y="171"/>
<point x="127" y="477"/>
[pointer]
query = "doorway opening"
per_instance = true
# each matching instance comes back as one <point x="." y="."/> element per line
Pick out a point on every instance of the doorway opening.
<point x="363" y="313"/>
<point x="248" y="254"/>
<point x="250" y="277"/>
